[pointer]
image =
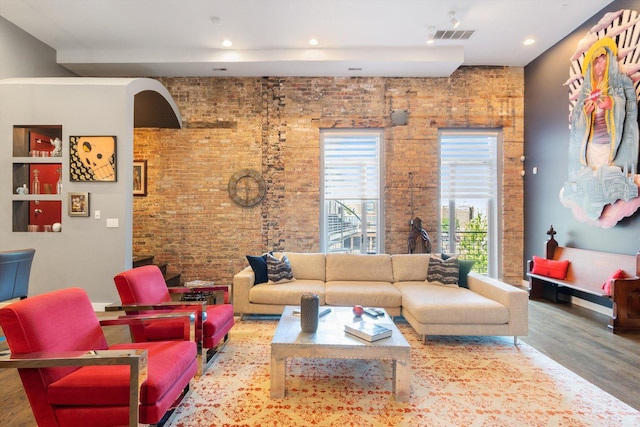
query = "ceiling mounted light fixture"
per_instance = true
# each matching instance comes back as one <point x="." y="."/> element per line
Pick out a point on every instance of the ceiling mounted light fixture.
<point x="313" y="42"/>
<point x="226" y="43"/>
<point x="431" y="34"/>
<point x="454" y="21"/>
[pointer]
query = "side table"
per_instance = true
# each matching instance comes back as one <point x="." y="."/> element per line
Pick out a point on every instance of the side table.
<point x="198" y="290"/>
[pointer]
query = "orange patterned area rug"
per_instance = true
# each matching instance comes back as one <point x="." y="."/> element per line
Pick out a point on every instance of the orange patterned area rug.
<point x="456" y="381"/>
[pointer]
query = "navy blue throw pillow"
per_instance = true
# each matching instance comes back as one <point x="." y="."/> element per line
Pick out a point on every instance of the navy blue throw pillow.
<point x="259" y="266"/>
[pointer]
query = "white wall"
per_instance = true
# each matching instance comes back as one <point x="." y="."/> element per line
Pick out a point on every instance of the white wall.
<point x="22" y="55"/>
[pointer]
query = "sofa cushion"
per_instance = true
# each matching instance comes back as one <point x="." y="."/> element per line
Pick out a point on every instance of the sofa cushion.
<point x="286" y="293"/>
<point x="443" y="271"/>
<point x="365" y="293"/>
<point x="307" y="265"/>
<point x="374" y="267"/>
<point x="218" y="316"/>
<point x="409" y="266"/>
<point x="259" y="266"/>
<point x="109" y="385"/>
<point x="434" y="304"/>
<point x="278" y="269"/>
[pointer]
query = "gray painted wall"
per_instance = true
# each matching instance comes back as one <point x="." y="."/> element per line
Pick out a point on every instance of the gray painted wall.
<point x="86" y="253"/>
<point x="22" y="55"/>
<point x="546" y="147"/>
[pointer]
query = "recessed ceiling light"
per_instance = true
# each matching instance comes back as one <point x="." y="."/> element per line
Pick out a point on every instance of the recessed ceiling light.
<point x="226" y="43"/>
<point x="313" y="42"/>
<point x="454" y="21"/>
<point x="431" y="34"/>
<point x="529" y="42"/>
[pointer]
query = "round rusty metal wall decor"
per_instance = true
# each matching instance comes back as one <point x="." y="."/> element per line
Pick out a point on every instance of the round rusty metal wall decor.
<point x="247" y="187"/>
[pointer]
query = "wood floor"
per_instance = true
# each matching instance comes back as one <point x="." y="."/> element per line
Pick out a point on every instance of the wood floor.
<point x="579" y="340"/>
<point x="576" y="338"/>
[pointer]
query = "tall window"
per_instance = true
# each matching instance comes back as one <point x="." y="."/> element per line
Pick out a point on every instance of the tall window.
<point x="469" y="194"/>
<point x="351" y="219"/>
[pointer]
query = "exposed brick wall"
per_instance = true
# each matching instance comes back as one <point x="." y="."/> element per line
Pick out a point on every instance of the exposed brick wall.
<point x="273" y="125"/>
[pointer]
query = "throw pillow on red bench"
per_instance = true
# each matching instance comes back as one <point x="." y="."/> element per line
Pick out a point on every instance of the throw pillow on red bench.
<point x="606" y="286"/>
<point x="550" y="267"/>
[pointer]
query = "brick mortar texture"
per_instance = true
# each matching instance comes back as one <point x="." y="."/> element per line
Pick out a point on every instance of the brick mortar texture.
<point x="273" y="125"/>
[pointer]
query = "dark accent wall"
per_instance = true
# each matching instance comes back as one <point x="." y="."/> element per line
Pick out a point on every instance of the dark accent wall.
<point x="546" y="147"/>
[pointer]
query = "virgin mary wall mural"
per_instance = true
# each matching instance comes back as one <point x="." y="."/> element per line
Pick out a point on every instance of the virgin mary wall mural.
<point x="602" y="185"/>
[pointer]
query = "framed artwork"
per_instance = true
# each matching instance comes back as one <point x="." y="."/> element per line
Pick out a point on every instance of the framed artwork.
<point x="139" y="177"/>
<point x="92" y="158"/>
<point x="78" y="204"/>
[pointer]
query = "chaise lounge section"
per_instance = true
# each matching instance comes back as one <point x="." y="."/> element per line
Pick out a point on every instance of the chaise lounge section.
<point x="398" y="283"/>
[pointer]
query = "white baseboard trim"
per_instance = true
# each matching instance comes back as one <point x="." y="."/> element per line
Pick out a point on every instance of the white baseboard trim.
<point x="582" y="303"/>
<point x="591" y="306"/>
<point x="99" y="306"/>
<point x="9" y="301"/>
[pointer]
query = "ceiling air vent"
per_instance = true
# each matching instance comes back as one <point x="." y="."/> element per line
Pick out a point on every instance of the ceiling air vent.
<point x="453" y="34"/>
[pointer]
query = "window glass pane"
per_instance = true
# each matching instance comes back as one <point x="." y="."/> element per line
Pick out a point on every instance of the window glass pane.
<point x="351" y="191"/>
<point x="351" y="167"/>
<point x="468" y="189"/>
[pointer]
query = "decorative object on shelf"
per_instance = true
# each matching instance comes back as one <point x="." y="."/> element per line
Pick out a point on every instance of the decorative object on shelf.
<point x="78" y="204"/>
<point x="40" y="144"/>
<point x="57" y="227"/>
<point x="57" y="147"/>
<point x="247" y="187"/>
<point x="22" y="190"/>
<point x="35" y="184"/>
<point x="139" y="177"/>
<point x="59" y="183"/>
<point x="309" y="312"/>
<point x="92" y="158"/>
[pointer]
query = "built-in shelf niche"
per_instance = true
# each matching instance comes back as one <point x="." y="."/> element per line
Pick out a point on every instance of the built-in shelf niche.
<point x="32" y="150"/>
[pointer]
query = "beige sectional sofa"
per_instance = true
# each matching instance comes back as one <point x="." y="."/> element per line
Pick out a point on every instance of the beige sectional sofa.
<point x="396" y="283"/>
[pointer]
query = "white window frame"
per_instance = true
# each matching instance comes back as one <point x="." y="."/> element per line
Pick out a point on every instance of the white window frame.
<point x="364" y="193"/>
<point x="492" y="195"/>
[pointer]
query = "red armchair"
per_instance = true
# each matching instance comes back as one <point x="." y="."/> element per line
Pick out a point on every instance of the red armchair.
<point x="54" y="337"/>
<point x="143" y="290"/>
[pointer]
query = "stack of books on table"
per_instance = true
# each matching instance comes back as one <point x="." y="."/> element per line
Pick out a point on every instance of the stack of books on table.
<point x="368" y="331"/>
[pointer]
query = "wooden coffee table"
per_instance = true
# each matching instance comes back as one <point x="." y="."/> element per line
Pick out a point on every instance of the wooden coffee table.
<point x="330" y="341"/>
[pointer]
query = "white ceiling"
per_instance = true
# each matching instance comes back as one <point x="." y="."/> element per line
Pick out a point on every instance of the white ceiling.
<point x="155" y="38"/>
